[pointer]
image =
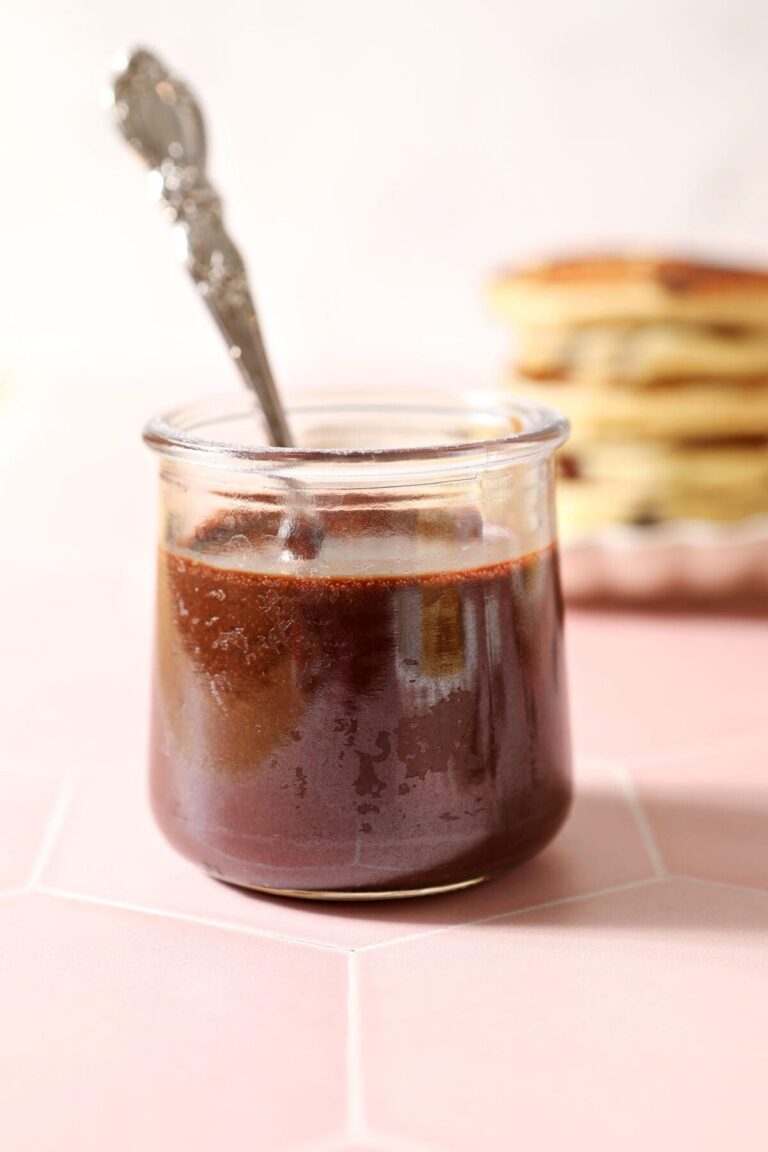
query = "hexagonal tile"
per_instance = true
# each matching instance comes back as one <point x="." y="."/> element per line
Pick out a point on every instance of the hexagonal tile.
<point x="709" y="811"/>
<point x="110" y="849"/>
<point x="633" y="1020"/>
<point x="27" y="805"/>
<point x="656" y="682"/>
<point x="124" y="1031"/>
<point x="78" y="647"/>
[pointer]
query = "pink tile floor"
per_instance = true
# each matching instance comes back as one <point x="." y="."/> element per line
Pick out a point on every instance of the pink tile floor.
<point x="612" y="993"/>
<point x="615" y="987"/>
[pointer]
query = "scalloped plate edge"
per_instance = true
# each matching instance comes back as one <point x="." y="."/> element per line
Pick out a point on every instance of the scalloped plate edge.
<point x="690" y="559"/>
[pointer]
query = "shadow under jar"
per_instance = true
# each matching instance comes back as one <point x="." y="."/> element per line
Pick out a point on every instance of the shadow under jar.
<point x="358" y="684"/>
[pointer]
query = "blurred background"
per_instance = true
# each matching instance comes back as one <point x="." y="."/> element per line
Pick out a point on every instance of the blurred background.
<point x="377" y="160"/>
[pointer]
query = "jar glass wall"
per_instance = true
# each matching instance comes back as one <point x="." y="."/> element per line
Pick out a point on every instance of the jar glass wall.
<point x="358" y="681"/>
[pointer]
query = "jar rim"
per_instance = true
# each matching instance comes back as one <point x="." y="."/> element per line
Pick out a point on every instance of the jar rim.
<point x="177" y="432"/>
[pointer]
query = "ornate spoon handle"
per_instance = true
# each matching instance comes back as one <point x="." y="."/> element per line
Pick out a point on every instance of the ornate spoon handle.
<point x="162" y="122"/>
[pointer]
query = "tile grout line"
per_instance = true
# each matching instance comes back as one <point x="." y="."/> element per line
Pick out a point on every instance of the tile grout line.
<point x="355" y="1095"/>
<point x="52" y="831"/>
<point x="184" y="917"/>
<point x="642" y="823"/>
<point x="577" y="898"/>
<point x="705" y="882"/>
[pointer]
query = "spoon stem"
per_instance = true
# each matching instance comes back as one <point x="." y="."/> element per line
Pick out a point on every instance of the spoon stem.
<point x="162" y="121"/>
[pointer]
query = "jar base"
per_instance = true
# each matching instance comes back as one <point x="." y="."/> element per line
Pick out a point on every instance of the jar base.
<point x="358" y="895"/>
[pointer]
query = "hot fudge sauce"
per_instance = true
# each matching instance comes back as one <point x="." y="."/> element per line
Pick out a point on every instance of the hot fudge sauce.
<point x="370" y="731"/>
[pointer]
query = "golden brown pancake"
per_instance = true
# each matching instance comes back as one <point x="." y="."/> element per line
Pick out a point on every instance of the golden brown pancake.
<point x="642" y="484"/>
<point x="661" y="366"/>
<point x="610" y="288"/>
<point x="644" y="355"/>
<point x="698" y="411"/>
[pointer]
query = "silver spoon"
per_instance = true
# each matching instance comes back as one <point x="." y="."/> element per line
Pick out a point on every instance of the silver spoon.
<point x="162" y="121"/>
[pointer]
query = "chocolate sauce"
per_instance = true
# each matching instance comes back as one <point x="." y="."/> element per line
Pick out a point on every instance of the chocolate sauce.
<point x="358" y="733"/>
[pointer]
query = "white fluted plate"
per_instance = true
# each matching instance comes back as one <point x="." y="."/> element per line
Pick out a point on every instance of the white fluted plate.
<point x="682" y="559"/>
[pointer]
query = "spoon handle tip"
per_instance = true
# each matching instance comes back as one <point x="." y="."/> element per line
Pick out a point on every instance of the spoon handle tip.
<point x="162" y="121"/>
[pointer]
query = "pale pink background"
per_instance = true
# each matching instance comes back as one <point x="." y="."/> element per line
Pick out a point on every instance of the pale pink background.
<point x="377" y="157"/>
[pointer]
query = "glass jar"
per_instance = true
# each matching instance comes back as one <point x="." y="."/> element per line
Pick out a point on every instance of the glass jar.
<point x="358" y="679"/>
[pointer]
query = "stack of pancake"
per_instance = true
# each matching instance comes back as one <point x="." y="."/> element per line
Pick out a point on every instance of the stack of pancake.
<point x="662" y="368"/>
